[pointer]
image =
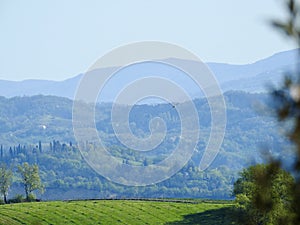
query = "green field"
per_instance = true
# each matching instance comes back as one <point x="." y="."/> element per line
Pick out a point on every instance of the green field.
<point x="115" y="212"/>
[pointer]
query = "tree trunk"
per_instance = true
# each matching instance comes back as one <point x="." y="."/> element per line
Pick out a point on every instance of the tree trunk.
<point x="5" y="198"/>
<point x="27" y="193"/>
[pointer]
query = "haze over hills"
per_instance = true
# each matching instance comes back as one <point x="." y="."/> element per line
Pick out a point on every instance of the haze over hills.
<point x="250" y="77"/>
<point x="39" y="129"/>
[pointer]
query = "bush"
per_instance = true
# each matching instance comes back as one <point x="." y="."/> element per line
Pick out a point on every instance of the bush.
<point x="17" y="199"/>
<point x="31" y="198"/>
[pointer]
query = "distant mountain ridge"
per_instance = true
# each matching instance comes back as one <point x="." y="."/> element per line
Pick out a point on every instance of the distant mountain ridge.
<point x="250" y="77"/>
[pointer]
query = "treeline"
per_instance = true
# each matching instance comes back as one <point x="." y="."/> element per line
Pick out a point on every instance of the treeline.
<point x="63" y="170"/>
<point x="54" y="146"/>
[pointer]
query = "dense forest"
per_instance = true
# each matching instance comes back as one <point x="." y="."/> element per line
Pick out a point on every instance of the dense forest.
<point x="38" y="130"/>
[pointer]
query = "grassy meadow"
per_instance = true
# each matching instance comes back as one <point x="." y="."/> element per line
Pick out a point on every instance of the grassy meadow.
<point x="116" y="212"/>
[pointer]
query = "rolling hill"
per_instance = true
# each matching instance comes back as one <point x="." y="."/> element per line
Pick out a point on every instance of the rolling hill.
<point x="26" y="121"/>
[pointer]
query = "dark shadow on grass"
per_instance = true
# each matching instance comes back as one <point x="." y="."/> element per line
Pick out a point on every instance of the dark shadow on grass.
<point x="223" y="216"/>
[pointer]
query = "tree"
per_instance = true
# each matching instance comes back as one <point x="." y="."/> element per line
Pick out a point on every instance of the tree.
<point x="30" y="179"/>
<point x="287" y="96"/>
<point x="264" y="195"/>
<point x="5" y="181"/>
<point x="40" y="146"/>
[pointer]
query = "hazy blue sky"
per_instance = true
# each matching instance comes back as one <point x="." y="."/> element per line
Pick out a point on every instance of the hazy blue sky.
<point x="58" y="39"/>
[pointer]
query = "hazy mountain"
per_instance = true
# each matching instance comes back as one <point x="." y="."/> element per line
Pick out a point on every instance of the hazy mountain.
<point x="250" y="77"/>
